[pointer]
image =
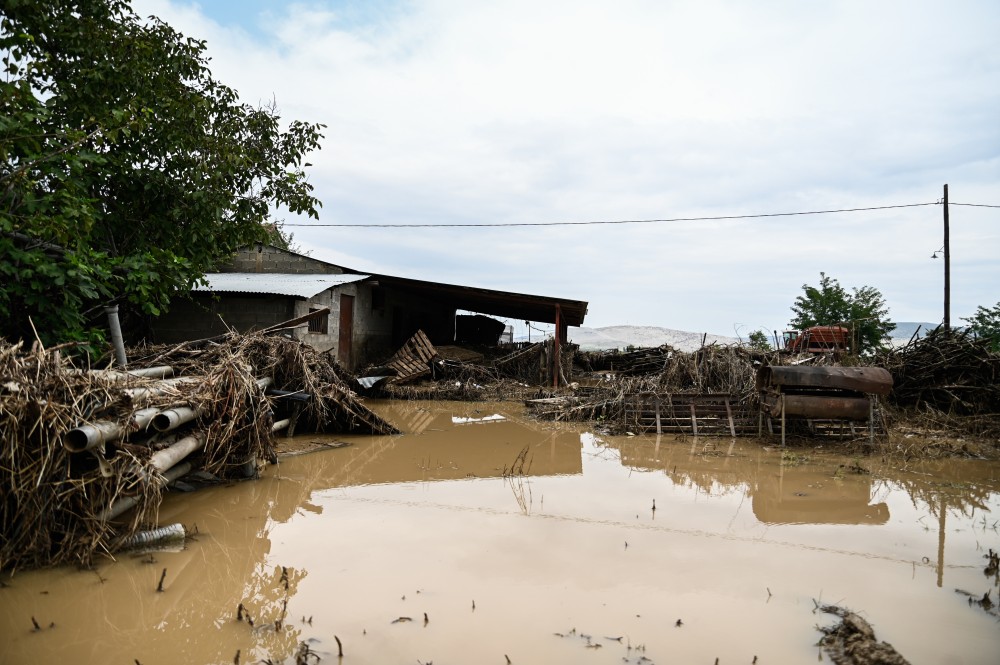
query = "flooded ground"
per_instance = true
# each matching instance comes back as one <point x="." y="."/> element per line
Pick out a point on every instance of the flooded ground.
<point x="431" y="547"/>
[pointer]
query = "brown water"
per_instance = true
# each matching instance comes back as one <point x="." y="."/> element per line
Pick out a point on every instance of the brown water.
<point x="568" y="563"/>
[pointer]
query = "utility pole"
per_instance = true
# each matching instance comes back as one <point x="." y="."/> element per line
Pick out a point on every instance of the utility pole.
<point x="947" y="265"/>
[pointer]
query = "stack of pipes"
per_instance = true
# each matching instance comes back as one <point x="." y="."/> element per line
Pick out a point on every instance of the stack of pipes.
<point x="153" y="426"/>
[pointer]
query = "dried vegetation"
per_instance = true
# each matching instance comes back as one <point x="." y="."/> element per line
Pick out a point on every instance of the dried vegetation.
<point x="946" y="381"/>
<point x="55" y="504"/>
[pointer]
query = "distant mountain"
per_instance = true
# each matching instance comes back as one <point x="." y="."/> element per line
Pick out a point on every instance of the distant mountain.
<point x="619" y="337"/>
<point x="905" y="329"/>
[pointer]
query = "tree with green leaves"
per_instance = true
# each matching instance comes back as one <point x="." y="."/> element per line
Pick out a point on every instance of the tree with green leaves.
<point x="862" y="310"/>
<point x="127" y="170"/>
<point x="759" y="341"/>
<point x="985" y="323"/>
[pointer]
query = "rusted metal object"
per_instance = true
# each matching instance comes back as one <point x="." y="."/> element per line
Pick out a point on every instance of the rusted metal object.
<point x="871" y="380"/>
<point x="821" y="393"/>
<point x="816" y="406"/>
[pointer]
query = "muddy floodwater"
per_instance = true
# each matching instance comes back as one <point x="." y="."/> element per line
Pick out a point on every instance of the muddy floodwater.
<point x="481" y="536"/>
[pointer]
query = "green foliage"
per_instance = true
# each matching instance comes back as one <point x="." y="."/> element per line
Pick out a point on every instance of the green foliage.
<point x="985" y="323"/>
<point x="759" y="341"/>
<point x="282" y="239"/>
<point x="126" y="170"/>
<point x="863" y="311"/>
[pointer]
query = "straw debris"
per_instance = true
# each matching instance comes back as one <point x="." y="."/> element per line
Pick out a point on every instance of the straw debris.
<point x="58" y="505"/>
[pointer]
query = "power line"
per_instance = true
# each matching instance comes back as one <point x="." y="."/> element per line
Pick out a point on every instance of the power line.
<point x="623" y="221"/>
<point x="975" y="205"/>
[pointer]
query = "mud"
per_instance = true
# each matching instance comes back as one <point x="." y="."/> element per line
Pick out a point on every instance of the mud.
<point x="436" y="546"/>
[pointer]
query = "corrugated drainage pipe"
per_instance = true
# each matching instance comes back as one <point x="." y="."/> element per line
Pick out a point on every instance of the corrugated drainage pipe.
<point x="164" y="534"/>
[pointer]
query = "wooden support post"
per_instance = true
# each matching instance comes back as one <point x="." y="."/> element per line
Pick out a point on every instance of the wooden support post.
<point x="659" y="427"/>
<point x="694" y="420"/>
<point x="729" y="414"/>
<point x="557" y="347"/>
<point x="782" y="420"/>
<point x="871" y="421"/>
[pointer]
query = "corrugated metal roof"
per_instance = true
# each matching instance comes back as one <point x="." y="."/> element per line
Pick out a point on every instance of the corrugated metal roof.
<point x="280" y="284"/>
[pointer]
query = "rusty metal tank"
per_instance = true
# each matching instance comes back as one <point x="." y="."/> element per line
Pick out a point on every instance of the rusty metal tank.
<point x="821" y="392"/>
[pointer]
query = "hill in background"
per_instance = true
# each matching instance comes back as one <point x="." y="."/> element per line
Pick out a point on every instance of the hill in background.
<point x="620" y="337"/>
<point x="905" y="329"/>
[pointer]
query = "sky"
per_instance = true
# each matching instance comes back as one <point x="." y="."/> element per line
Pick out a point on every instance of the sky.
<point x="523" y="112"/>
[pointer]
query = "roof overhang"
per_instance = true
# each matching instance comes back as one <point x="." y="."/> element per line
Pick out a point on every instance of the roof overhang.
<point x="278" y="284"/>
<point x="520" y="306"/>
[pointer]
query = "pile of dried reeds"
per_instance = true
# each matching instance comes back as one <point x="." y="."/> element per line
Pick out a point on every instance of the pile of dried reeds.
<point x="514" y="375"/>
<point x="632" y="362"/>
<point x="50" y="499"/>
<point x="724" y="370"/>
<point x="293" y="367"/>
<point x="79" y="445"/>
<point x="950" y="378"/>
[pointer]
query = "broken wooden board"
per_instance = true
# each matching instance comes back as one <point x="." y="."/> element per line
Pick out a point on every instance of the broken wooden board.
<point x="413" y="360"/>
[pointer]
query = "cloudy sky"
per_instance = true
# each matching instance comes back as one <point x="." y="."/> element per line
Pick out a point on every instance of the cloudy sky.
<point x="467" y="112"/>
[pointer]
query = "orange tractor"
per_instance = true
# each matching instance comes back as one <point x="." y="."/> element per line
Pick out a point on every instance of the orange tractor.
<point x="818" y="339"/>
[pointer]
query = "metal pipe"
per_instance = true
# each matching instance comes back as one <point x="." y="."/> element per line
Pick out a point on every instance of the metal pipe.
<point x="162" y="460"/>
<point x="158" y="372"/>
<point x="160" y="387"/>
<point x="124" y="503"/>
<point x="280" y="425"/>
<point x="170" y="419"/>
<point x="116" y="334"/>
<point x="290" y="394"/>
<point x="92" y="435"/>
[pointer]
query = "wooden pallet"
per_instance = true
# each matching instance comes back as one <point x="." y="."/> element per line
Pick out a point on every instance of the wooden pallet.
<point x="413" y="360"/>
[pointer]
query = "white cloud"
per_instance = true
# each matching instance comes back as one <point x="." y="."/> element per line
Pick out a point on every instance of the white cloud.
<point x="471" y="112"/>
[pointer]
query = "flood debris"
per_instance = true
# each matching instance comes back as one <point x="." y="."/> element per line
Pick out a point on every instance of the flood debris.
<point x="163" y="576"/>
<point x="84" y="447"/>
<point x="304" y="655"/>
<point x="852" y="641"/>
<point x="662" y="390"/>
<point x="985" y="601"/>
<point x="948" y="379"/>
<point x="419" y="370"/>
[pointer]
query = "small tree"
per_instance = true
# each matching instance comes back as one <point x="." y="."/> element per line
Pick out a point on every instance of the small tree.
<point x="985" y="323"/>
<point x="863" y="311"/>
<point x="758" y="341"/>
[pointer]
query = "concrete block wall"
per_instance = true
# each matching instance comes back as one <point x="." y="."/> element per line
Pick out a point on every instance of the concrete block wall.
<point x="322" y="341"/>
<point x="274" y="260"/>
<point x="206" y="316"/>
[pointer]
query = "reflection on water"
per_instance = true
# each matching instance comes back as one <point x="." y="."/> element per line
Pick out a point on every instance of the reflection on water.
<point x="536" y="541"/>
<point x="789" y="492"/>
